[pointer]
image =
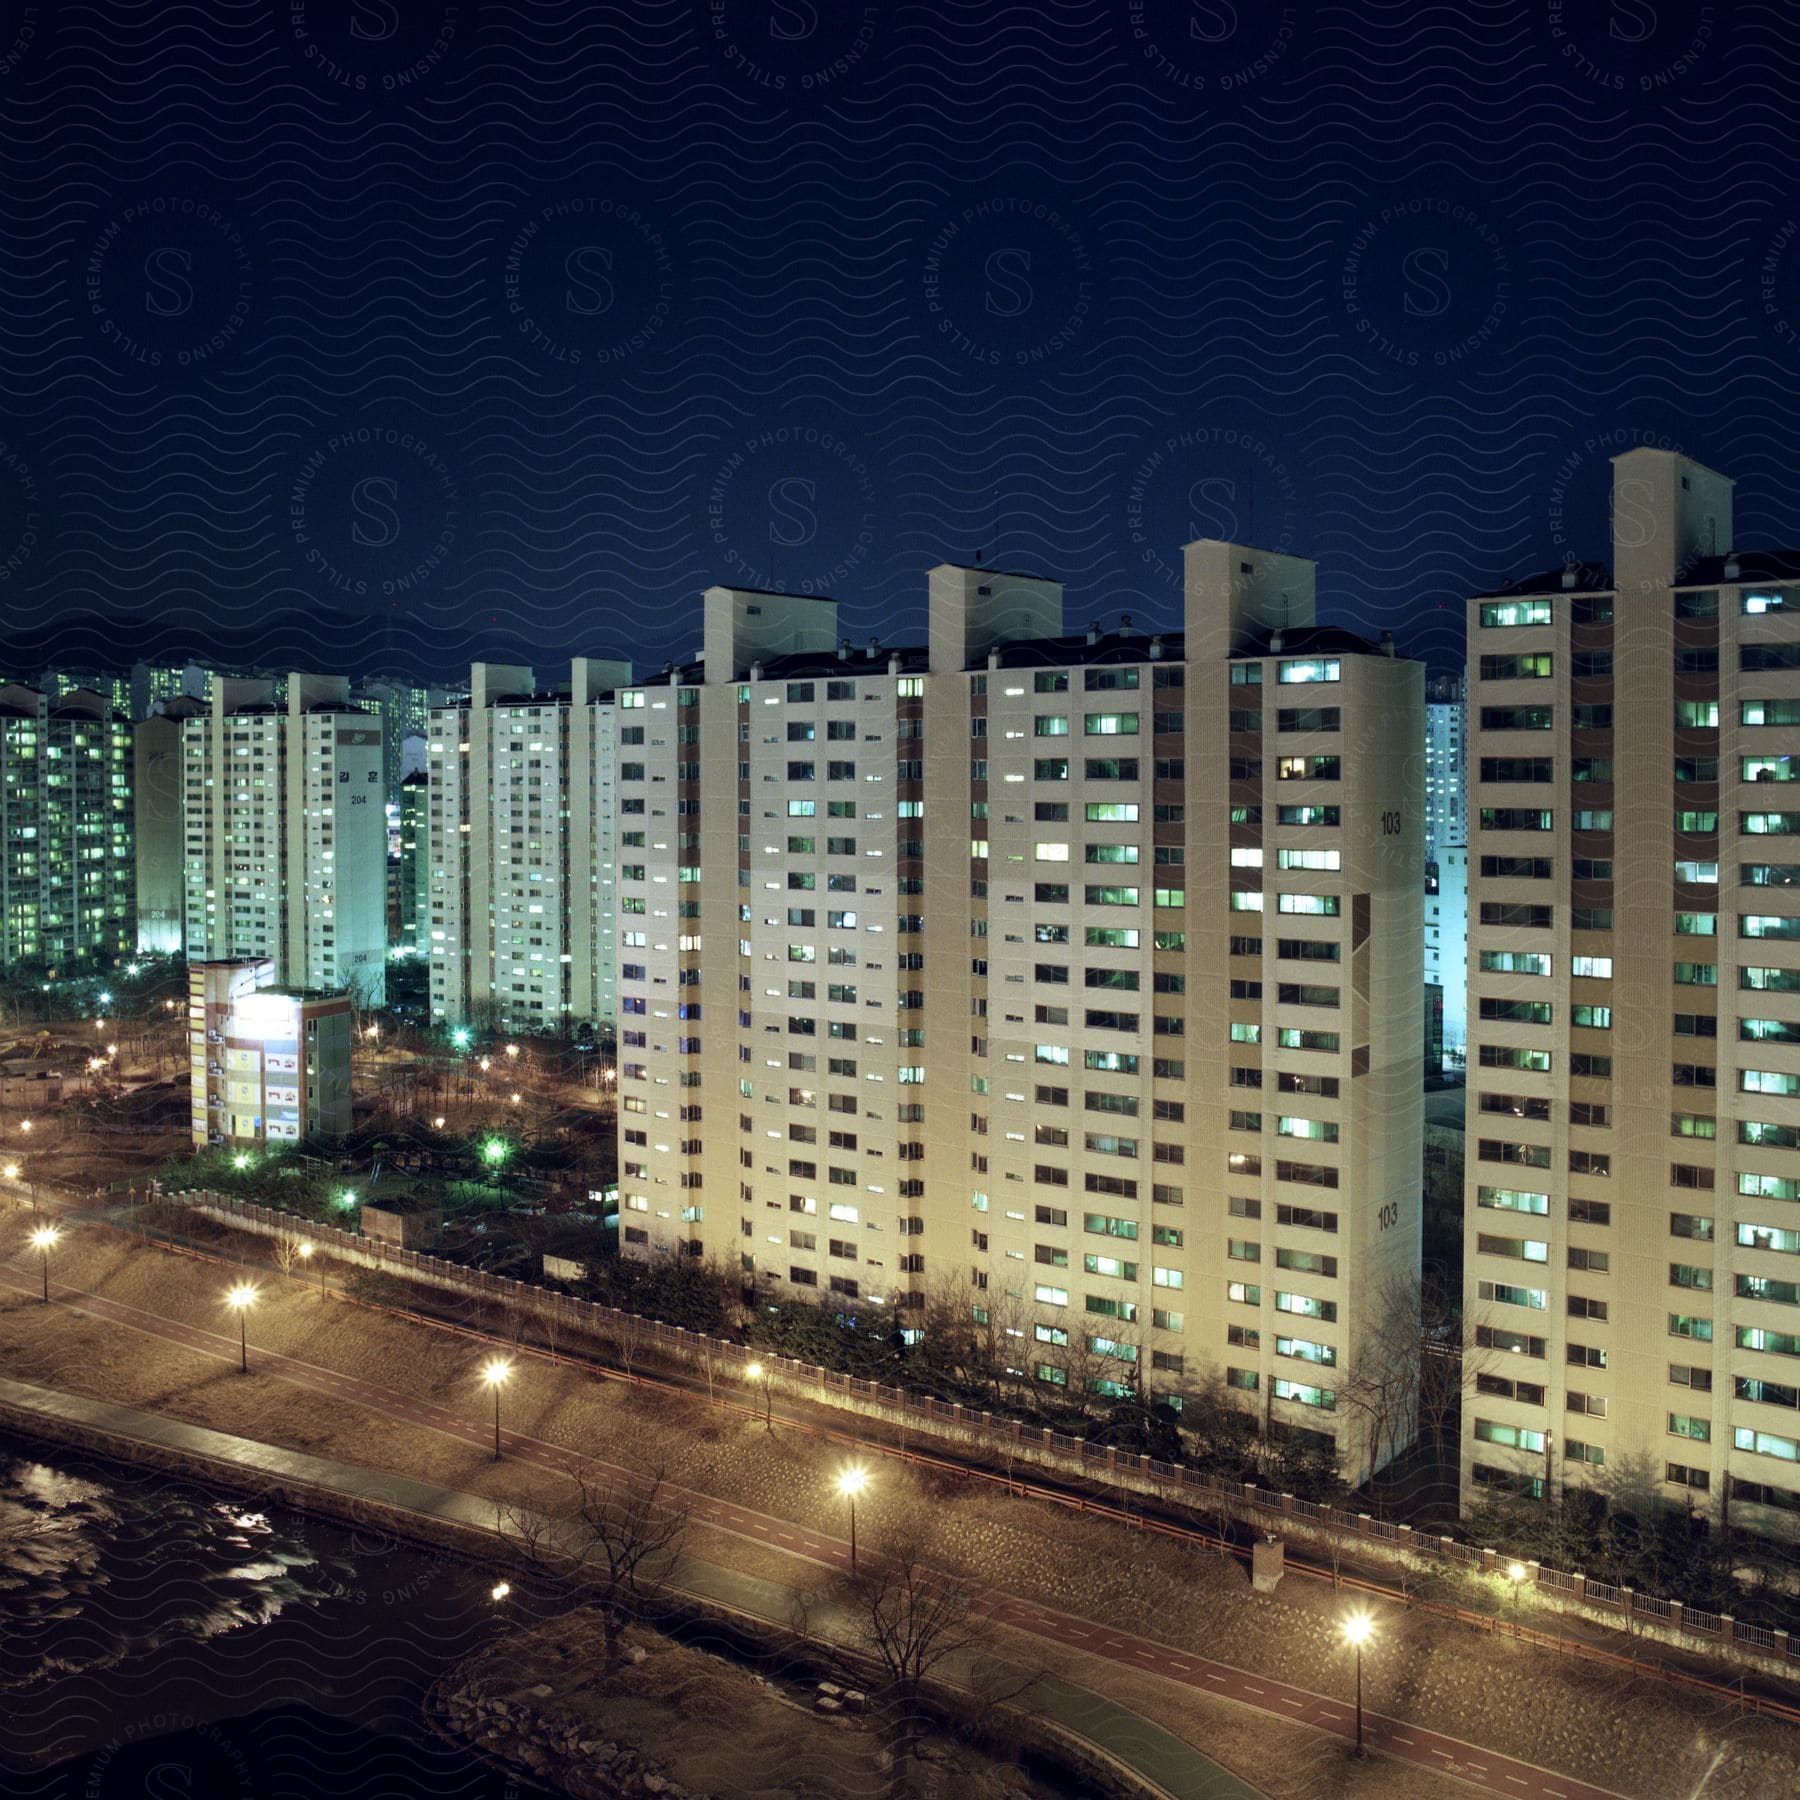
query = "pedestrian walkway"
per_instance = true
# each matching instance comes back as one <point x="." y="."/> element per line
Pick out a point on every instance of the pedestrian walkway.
<point x="1158" y="1757"/>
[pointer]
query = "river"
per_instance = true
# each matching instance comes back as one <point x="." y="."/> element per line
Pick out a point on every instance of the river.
<point x="160" y="1642"/>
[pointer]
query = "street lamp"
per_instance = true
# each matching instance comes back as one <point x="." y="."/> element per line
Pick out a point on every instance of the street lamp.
<point x="241" y="1161"/>
<point x="11" y="1171"/>
<point x="850" y="1483"/>
<point x="1358" y="1629"/>
<point x="460" y="1037"/>
<point x="496" y="1373"/>
<point x="1515" y="1575"/>
<point x="43" y="1241"/>
<point x="512" y="1050"/>
<point x="240" y="1299"/>
<point x="756" y="1372"/>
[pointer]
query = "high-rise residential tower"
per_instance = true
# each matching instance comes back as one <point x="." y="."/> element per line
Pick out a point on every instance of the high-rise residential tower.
<point x="519" y="849"/>
<point x="157" y="791"/>
<point x="66" y="893"/>
<point x="286" y="834"/>
<point x="1068" y="985"/>
<point x="1633" y="1244"/>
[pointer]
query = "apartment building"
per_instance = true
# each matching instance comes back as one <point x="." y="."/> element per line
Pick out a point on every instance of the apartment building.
<point x="1633" y="1245"/>
<point x="1446" y="763"/>
<point x="410" y="929"/>
<point x="158" y="785"/>
<point x="66" y="892"/>
<point x="266" y="1065"/>
<point x="286" y="835"/>
<point x="519" y="851"/>
<point x="405" y="710"/>
<point x="1113" y="940"/>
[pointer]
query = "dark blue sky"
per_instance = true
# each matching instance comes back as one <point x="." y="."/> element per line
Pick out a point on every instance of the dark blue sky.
<point x="357" y="334"/>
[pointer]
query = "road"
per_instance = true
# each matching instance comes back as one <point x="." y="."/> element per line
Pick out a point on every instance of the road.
<point x="1399" y="1738"/>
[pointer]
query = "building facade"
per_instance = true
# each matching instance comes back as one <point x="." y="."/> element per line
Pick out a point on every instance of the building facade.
<point x="157" y="789"/>
<point x="66" y="886"/>
<point x="411" y="930"/>
<point x="285" y="834"/>
<point x="519" y="850"/>
<point x="1446" y="763"/>
<point x="1112" y="942"/>
<point x="266" y="1065"/>
<point x="1632" y="1244"/>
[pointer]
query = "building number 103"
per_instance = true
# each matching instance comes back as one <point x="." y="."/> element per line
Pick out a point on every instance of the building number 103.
<point x="1389" y="1214"/>
<point x="1390" y="824"/>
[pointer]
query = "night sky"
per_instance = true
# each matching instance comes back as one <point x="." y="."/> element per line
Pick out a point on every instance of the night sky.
<point x="360" y="335"/>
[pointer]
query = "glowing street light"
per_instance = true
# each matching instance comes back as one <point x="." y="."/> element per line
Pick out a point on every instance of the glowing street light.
<point x="347" y="1199"/>
<point x="1515" y="1574"/>
<point x="499" y="1590"/>
<point x="460" y="1037"/>
<point x="496" y="1373"/>
<point x="240" y="1299"/>
<point x="512" y="1050"/>
<point x="241" y="1160"/>
<point x="486" y="1063"/>
<point x="851" y="1482"/>
<point x="24" y="1124"/>
<point x="1358" y="1629"/>
<point x="438" y="1123"/>
<point x="43" y="1241"/>
<point x="306" y="1252"/>
<point x="517" y="1100"/>
<point x="756" y="1372"/>
<point x="493" y="1152"/>
<point x="11" y="1171"/>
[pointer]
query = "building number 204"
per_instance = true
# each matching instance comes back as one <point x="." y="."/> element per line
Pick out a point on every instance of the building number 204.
<point x="1390" y="824"/>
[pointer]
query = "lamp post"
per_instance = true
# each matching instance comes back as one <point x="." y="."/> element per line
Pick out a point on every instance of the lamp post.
<point x="756" y="1372"/>
<point x="496" y="1374"/>
<point x="1515" y="1575"/>
<point x="851" y="1483"/>
<point x="306" y="1253"/>
<point x="240" y="1299"/>
<point x="43" y="1241"/>
<point x="1358" y="1629"/>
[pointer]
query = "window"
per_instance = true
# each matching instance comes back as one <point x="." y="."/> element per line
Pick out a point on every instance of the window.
<point x="1498" y="614"/>
<point x="1110" y="725"/>
<point x="1298" y="669"/>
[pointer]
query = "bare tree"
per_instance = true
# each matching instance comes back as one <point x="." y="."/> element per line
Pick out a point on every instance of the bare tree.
<point x="630" y="1334"/>
<point x="287" y="1253"/>
<point x="906" y="1622"/>
<point x="614" y="1546"/>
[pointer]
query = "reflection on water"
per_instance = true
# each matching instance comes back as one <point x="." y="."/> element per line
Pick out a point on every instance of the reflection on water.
<point x="160" y="1641"/>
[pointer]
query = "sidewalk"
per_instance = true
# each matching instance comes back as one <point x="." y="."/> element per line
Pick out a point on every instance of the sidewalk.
<point x="1155" y="1756"/>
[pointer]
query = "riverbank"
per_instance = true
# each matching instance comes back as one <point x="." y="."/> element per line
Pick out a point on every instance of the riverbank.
<point x="1060" y="1570"/>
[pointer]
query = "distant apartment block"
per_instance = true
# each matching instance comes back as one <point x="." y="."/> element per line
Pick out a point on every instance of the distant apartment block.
<point x="285" y="834"/>
<point x="1071" y="980"/>
<point x="410" y="931"/>
<point x="519" y="847"/>
<point x="267" y="1065"/>
<point x="157" y="791"/>
<point x="1632" y="1238"/>
<point x="66" y="885"/>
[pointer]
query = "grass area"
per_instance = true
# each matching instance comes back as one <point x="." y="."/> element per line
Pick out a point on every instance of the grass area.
<point x="1632" y="1735"/>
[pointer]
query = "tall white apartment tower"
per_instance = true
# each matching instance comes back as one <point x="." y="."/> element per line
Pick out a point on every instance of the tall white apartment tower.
<point x="519" y="849"/>
<point x="1633" y="1254"/>
<point x="1446" y="763"/>
<point x="1112" y="940"/>
<point x="285" y="836"/>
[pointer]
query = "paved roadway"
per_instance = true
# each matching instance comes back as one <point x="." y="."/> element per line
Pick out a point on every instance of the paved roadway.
<point x="1400" y="1738"/>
